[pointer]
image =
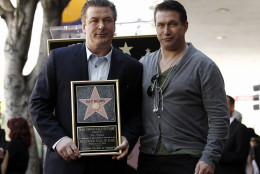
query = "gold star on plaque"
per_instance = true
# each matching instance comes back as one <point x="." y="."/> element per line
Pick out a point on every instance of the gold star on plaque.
<point x="126" y="49"/>
<point x="95" y="104"/>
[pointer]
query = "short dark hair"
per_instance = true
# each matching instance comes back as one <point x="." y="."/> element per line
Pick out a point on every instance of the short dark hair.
<point x="97" y="3"/>
<point x="171" y="5"/>
<point x="19" y="128"/>
<point x="231" y="99"/>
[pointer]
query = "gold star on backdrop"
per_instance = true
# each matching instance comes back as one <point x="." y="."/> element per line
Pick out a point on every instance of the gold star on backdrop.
<point x="126" y="49"/>
<point x="148" y="50"/>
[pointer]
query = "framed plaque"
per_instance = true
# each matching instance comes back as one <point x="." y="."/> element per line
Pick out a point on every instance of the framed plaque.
<point x="96" y="117"/>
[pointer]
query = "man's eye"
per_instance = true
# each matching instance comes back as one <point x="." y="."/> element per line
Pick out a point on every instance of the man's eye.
<point x="107" y="20"/>
<point x="173" y="24"/>
<point x="159" y="25"/>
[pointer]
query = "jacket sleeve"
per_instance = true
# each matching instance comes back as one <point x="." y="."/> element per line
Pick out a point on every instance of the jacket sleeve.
<point x="42" y="104"/>
<point x="135" y="124"/>
<point x="215" y="104"/>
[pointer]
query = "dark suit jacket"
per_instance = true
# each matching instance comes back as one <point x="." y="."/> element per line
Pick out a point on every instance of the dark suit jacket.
<point x="52" y="93"/>
<point x="235" y="153"/>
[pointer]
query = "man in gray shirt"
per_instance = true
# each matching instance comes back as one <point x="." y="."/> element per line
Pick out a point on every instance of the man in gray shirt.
<point x="184" y="110"/>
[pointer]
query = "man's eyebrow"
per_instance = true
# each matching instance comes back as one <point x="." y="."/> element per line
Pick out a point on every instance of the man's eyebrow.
<point x="108" y="17"/>
<point x="93" y="18"/>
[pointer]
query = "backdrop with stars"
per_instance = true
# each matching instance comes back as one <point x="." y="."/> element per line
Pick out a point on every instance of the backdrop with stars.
<point x="135" y="46"/>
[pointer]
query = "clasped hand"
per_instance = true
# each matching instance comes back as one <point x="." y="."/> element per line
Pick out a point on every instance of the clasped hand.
<point x="69" y="151"/>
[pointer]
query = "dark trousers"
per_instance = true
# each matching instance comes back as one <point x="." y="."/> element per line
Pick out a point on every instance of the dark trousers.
<point x="166" y="164"/>
<point x="55" y="164"/>
<point x="230" y="168"/>
<point x="105" y="164"/>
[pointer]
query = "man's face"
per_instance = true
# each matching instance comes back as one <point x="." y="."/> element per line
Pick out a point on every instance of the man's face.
<point x="170" y="30"/>
<point x="230" y="107"/>
<point x="99" y="27"/>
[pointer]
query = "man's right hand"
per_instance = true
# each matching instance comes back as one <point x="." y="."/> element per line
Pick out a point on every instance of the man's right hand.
<point x="204" y="168"/>
<point x="67" y="149"/>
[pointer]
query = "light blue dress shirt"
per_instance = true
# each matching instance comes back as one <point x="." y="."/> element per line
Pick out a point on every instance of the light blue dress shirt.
<point x="98" y="67"/>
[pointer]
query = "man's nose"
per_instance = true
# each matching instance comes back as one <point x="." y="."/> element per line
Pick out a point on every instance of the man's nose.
<point x="166" y="30"/>
<point x="101" y="25"/>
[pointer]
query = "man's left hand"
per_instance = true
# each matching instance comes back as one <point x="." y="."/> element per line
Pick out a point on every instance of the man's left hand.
<point x="204" y="168"/>
<point x="124" y="147"/>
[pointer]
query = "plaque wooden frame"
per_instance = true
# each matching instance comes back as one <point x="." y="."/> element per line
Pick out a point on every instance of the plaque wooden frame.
<point x="96" y="128"/>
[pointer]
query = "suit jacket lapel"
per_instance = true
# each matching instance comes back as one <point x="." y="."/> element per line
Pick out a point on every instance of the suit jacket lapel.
<point x="116" y="65"/>
<point x="82" y="62"/>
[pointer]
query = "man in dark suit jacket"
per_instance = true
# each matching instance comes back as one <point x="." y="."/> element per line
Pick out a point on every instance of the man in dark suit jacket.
<point x="235" y="153"/>
<point x="96" y="59"/>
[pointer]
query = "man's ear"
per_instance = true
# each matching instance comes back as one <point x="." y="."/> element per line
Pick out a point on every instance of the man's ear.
<point x="186" y="25"/>
<point x="84" y="28"/>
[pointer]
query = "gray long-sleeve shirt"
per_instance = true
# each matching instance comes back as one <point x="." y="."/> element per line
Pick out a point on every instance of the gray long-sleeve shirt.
<point x="195" y="113"/>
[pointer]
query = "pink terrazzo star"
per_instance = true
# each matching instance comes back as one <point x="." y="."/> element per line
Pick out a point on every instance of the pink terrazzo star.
<point x="95" y="104"/>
